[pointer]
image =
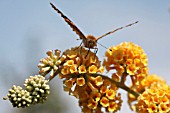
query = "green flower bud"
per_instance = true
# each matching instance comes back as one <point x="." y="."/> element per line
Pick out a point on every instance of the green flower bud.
<point x="38" y="88"/>
<point x="19" y="97"/>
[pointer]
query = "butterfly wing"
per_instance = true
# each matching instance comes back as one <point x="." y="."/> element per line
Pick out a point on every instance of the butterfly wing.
<point x="70" y="23"/>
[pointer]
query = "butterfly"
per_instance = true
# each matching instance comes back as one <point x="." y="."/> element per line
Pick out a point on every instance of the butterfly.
<point x="88" y="41"/>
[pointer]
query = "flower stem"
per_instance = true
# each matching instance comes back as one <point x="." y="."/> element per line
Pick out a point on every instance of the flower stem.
<point x="118" y="84"/>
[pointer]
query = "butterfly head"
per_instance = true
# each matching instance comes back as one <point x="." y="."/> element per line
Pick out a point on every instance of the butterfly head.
<point x="90" y="41"/>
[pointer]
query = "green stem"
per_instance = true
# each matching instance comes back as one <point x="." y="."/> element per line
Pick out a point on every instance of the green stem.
<point x="123" y="78"/>
<point x="55" y="73"/>
<point x="118" y="84"/>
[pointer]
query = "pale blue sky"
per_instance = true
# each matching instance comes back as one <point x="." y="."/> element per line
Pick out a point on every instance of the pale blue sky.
<point x="34" y="22"/>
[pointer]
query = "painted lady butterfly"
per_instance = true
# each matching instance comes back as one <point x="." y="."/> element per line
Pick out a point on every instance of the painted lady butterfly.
<point x="88" y="41"/>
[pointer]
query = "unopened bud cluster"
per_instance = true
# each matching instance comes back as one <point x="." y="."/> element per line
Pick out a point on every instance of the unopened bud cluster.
<point x="19" y="97"/>
<point x="36" y="91"/>
<point x="38" y="88"/>
<point x="51" y="63"/>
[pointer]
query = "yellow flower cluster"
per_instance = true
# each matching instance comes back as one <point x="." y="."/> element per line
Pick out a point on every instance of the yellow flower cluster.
<point x="78" y="63"/>
<point x="149" y="80"/>
<point x="156" y="99"/>
<point x="146" y="83"/>
<point x="127" y="59"/>
<point x="93" y="92"/>
<point x="98" y="94"/>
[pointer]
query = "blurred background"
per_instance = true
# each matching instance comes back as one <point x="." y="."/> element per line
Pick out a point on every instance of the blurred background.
<point x="28" y="29"/>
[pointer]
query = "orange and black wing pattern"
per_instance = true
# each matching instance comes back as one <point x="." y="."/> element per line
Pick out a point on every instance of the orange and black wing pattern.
<point x="70" y="23"/>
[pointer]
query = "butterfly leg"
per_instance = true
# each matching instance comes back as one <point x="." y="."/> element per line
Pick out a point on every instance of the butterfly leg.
<point x="95" y="50"/>
<point x="87" y="52"/>
<point x="79" y="46"/>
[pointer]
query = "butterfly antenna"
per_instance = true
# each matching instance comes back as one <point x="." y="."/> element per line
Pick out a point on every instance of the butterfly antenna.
<point x="116" y="30"/>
